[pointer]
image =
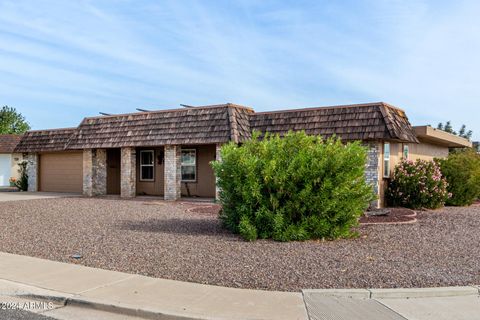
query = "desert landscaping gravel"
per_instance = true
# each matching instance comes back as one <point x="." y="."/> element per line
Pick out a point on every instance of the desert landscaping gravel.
<point x="176" y="241"/>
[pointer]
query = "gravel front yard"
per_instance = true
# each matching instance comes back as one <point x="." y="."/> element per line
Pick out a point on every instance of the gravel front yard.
<point x="166" y="240"/>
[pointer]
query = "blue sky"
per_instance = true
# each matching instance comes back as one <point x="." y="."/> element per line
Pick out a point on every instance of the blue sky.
<point x="63" y="60"/>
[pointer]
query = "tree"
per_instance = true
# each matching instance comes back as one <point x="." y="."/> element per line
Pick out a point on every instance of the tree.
<point x="447" y="127"/>
<point x="464" y="133"/>
<point x="12" y="122"/>
<point x="476" y="146"/>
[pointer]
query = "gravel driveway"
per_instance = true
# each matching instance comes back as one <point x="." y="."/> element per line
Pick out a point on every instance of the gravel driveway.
<point x="165" y="240"/>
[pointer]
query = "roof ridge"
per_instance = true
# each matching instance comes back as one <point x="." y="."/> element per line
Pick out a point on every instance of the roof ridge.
<point x="394" y="130"/>
<point x="370" y="104"/>
<point x="232" y="121"/>
<point x="55" y="129"/>
<point x="387" y="121"/>
<point x="172" y="110"/>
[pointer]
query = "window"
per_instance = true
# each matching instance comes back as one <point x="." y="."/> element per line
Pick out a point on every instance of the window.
<point x="147" y="165"/>
<point x="406" y="151"/>
<point x="189" y="165"/>
<point x="386" y="160"/>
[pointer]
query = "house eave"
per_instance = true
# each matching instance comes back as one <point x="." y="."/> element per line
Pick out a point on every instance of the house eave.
<point x="440" y="137"/>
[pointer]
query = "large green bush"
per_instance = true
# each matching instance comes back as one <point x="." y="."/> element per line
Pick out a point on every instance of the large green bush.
<point x="295" y="187"/>
<point x="462" y="171"/>
<point x="417" y="185"/>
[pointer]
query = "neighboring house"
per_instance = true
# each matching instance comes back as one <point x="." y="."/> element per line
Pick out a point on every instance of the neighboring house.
<point x="8" y="159"/>
<point x="168" y="153"/>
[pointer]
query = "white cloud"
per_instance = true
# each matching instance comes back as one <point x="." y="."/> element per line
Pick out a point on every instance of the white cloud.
<point x="117" y="55"/>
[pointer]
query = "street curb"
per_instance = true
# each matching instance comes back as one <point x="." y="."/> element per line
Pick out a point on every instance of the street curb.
<point x="401" y="293"/>
<point x="126" y="310"/>
<point x="423" y="292"/>
<point x="119" y="308"/>
<point x="339" y="293"/>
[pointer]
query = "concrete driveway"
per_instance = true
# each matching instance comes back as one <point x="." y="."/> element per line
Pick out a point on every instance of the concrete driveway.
<point x="19" y="196"/>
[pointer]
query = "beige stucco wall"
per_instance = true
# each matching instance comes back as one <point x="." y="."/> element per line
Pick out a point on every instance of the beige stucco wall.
<point x="423" y="150"/>
<point x="427" y="151"/>
<point x="204" y="186"/>
<point x="16" y="159"/>
<point x="152" y="187"/>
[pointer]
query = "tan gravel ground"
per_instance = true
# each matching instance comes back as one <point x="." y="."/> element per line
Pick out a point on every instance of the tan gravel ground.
<point x="166" y="240"/>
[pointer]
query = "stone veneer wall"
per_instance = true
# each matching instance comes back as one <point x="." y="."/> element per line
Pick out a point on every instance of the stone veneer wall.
<point x="32" y="172"/>
<point x="173" y="173"/>
<point x="100" y="172"/>
<point x="128" y="175"/>
<point x="218" y="157"/>
<point x="372" y="170"/>
<point x="88" y="172"/>
<point x="94" y="172"/>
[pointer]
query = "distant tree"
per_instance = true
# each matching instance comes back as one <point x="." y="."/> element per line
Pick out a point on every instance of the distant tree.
<point x="464" y="133"/>
<point x="476" y="146"/>
<point x="447" y="127"/>
<point x="12" y="122"/>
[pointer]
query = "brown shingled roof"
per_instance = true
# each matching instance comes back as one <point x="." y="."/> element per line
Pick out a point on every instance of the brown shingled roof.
<point x="199" y="125"/>
<point x="222" y="123"/>
<point x="374" y="121"/>
<point x="45" y="140"/>
<point x="8" y="142"/>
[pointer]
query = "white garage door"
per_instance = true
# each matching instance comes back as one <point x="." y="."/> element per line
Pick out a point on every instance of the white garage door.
<point x="5" y="169"/>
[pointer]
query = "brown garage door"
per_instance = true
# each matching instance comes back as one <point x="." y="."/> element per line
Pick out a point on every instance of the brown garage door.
<point x="61" y="172"/>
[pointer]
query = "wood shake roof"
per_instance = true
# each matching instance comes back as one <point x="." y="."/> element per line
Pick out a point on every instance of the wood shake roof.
<point x="8" y="142"/>
<point x="45" y="140"/>
<point x="374" y="121"/>
<point x="199" y="125"/>
<point x="220" y="124"/>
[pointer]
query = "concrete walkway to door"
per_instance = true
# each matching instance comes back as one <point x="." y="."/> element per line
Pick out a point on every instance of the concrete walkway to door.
<point x="18" y="196"/>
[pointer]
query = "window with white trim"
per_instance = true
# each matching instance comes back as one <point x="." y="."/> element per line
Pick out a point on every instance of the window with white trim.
<point x="406" y="151"/>
<point x="147" y="164"/>
<point x="386" y="160"/>
<point x="189" y="165"/>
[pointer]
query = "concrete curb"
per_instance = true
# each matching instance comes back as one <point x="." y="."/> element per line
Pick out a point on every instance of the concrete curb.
<point x="130" y="310"/>
<point x="118" y="308"/>
<point x="400" y="293"/>
<point x="339" y="293"/>
<point x="414" y="220"/>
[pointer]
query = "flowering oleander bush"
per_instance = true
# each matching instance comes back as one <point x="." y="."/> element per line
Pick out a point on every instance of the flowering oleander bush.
<point x="417" y="185"/>
<point x="462" y="171"/>
<point x="295" y="187"/>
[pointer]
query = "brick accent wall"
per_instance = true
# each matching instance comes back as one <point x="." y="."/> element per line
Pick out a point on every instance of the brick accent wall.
<point x="94" y="172"/>
<point x="128" y="176"/>
<point x="32" y="171"/>
<point x="372" y="170"/>
<point x="173" y="174"/>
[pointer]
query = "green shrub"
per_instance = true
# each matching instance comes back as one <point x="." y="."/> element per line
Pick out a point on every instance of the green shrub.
<point x="417" y="185"/>
<point x="462" y="171"/>
<point x="22" y="182"/>
<point x="295" y="187"/>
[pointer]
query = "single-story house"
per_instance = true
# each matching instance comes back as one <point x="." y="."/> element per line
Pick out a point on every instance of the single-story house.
<point x="168" y="152"/>
<point x="9" y="160"/>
